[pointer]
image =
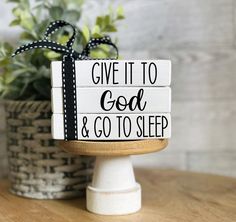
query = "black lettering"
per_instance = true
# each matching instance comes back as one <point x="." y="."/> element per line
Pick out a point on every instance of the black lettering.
<point x="102" y="100"/>
<point x="95" y="127"/>
<point x="115" y="70"/>
<point x="164" y="126"/>
<point x="152" y="81"/>
<point x="119" y="117"/>
<point x="106" y="126"/>
<point x="150" y="126"/>
<point x="139" y="131"/>
<point x="127" y="126"/>
<point x="93" y="77"/>
<point x="144" y="71"/>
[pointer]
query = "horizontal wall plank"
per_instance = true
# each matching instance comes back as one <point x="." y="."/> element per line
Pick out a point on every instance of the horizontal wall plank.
<point x="151" y="100"/>
<point x="153" y="24"/>
<point x="162" y="160"/>
<point x="200" y="74"/>
<point x="162" y="23"/>
<point x="94" y="73"/>
<point x="214" y="162"/>
<point x="203" y="125"/>
<point x="116" y="126"/>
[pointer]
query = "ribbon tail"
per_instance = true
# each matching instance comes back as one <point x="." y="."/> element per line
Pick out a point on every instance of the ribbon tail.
<point x="69" y="98"/>
<point x="95" y="42"/>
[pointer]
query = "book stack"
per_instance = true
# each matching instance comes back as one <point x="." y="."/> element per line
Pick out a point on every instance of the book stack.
<point x="116" y="99"/>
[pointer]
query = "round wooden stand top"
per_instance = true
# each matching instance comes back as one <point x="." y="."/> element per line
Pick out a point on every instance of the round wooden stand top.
<point x="113" y="148"/>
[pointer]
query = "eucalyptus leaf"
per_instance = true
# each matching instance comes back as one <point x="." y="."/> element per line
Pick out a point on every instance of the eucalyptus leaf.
<point x="15" y="22"/>
<point x="56" y="12"/>
<point x="16" y="11"/>
<point x="52" y="55"/>
<point x="99" y="21"/>
<point x="27" y="23"/>
<point x="120" y="12"/>
<point x="106" y="20"/>
<point x="86" y="33"/>
<point x="96" y="35"/>
<point x="96" y="29"/>
<point x="10" y="93"/>
<point x="71" y="15"/>
<point x="42" y="87"/>
<point x="98" y="54"/>
<point x="14" y="1"/>
<point x="27" y="36"/>
<point x="111" y="28"/>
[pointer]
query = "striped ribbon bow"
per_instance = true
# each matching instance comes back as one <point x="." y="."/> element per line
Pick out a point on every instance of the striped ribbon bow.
<point x="68" y="69"/>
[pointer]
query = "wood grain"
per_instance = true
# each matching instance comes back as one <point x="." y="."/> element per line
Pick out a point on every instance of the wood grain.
<point x="168" y="196"/>
<point x="114" y="148"/>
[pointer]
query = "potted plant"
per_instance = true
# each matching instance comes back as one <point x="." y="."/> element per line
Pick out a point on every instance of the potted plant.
<point x="37" y="167"/>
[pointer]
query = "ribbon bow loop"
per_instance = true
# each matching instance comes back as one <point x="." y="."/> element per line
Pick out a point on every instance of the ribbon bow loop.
<point x="66" y="50"/>
<point x="57" y="25"/>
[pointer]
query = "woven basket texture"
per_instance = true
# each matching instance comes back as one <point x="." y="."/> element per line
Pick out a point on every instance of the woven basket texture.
<point x="38" y="168"/>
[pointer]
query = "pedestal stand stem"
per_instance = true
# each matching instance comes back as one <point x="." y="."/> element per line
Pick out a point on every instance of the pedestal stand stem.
<point x="113" y="190"/>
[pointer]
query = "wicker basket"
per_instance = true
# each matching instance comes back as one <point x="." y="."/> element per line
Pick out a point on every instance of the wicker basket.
<point x="37" y="167"/>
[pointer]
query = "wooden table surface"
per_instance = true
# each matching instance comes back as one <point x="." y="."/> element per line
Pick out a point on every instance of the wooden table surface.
<point x="168" y="196"/>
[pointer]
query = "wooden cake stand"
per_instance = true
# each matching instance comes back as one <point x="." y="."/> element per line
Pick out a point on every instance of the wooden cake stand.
<point x="113" y="190"/>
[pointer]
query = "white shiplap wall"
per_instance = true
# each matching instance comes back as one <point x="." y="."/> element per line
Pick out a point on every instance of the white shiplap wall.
<point x="199" y="38"/>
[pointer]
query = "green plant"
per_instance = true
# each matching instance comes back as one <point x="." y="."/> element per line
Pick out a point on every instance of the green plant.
<point x="27" y="77"/>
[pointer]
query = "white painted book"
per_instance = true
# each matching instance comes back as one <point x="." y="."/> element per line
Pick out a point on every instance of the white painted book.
<point x="117" y="100"/>
<point x="116" y="127"/>
<point x="92" y="73"/>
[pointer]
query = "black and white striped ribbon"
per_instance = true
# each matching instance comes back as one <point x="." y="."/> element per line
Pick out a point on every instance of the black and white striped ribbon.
<point x="68" y="69"/>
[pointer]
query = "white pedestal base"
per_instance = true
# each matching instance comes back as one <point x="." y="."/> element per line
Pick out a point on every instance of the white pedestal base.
<point x="114" y="203"/>
<point x="114" y="190"/>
